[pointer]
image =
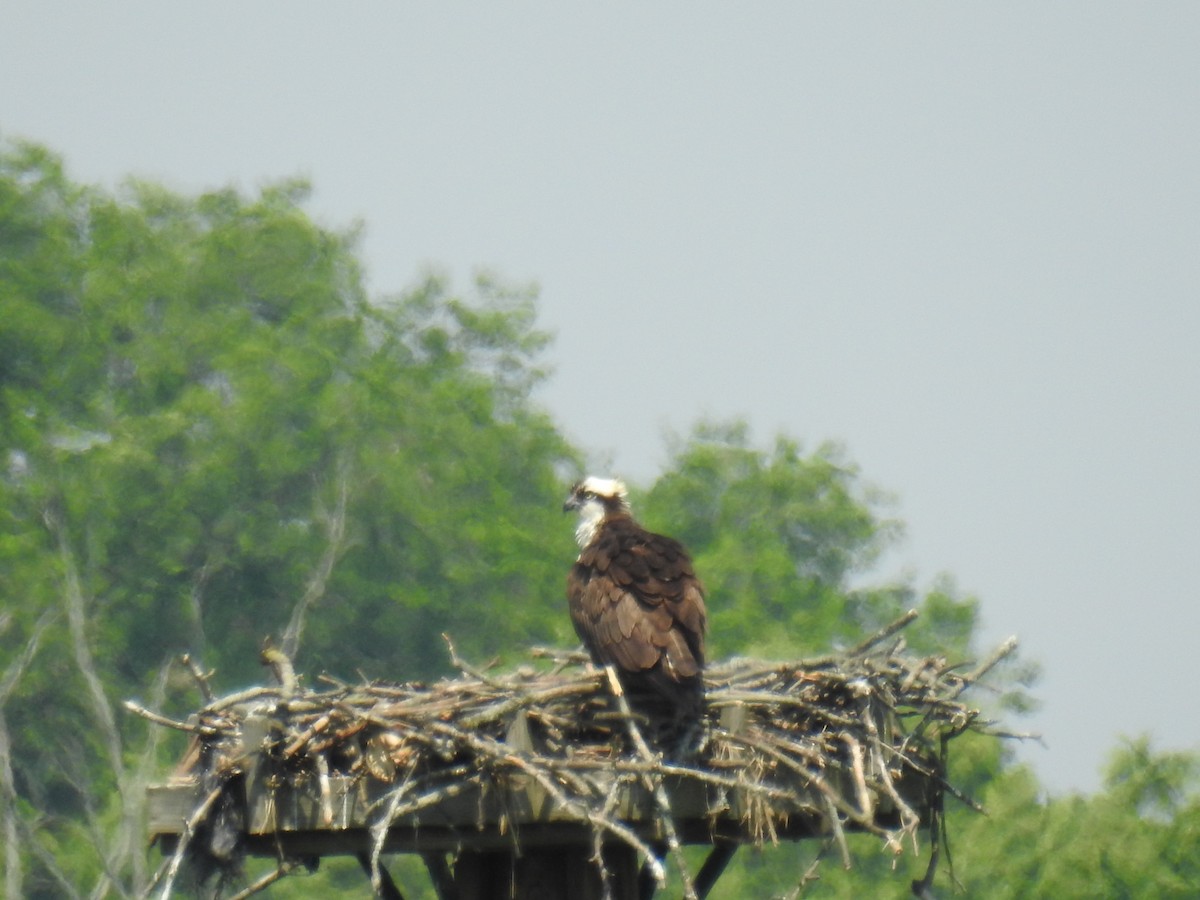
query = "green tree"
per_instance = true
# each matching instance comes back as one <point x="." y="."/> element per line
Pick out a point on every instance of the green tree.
<point x="210" y="435"/>
<point x="1139" y="837"/>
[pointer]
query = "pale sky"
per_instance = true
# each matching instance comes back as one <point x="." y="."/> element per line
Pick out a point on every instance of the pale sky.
<point x="962" y="240"/>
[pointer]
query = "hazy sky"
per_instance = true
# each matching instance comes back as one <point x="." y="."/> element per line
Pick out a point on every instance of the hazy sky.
<point x="963" y="240"/>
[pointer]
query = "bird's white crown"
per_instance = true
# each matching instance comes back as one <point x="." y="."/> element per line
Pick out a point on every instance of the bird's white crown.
<point x="593" y="498"/>
<point x="612" y="488"/>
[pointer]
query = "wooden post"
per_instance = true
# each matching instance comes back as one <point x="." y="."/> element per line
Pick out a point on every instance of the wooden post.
<point x="543" y="872"/>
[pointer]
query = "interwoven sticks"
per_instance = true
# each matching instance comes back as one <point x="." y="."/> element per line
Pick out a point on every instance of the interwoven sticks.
<point x="846" y="741"/>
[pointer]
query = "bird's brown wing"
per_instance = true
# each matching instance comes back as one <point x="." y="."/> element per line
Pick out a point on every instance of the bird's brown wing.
<point x="635" y="601"/>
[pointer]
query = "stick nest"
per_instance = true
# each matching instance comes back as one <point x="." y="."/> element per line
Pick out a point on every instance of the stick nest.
<point x="851" y="741"/>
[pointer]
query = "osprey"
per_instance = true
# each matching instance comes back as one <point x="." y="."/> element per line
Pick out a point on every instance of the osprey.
<point x="637" y="604"/>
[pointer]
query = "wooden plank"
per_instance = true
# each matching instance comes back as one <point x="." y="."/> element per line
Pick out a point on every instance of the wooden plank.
<point x="291" y="816"/>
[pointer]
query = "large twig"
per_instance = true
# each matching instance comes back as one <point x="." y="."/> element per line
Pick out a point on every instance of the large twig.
<point x="159" y="719"/>
<point x="199" y="676"/>
<point x="1004" y="650"/>
<point x="884" y="633"/>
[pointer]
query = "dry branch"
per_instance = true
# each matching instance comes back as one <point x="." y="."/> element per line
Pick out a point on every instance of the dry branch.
<point x="8" y="793"/>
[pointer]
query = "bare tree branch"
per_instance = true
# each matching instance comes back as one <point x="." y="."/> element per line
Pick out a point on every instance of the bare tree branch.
<point x="265" y="882"/>
<point x="8" y="815"/>
<point x="17" y="667"/>
<point x="201" y="677"/>
<point x="196" y="606"/>
<point x="118" y="848"/>
<point x="335" y="531"/>
<point x="76" y="605"/>
<point x="158" y="719"/>
<point x="46" y="858"/>
<point x="189" y="829"/>
<point x="133" y="821"/>
<point x="8" y="792"/>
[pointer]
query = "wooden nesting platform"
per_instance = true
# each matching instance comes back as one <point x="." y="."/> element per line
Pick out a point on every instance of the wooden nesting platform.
<point x="543" y="769"/>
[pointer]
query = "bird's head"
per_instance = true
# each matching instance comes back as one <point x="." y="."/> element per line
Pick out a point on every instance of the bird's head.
<point x="594" y="498"/>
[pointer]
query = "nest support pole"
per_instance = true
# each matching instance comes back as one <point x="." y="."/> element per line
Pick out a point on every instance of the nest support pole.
<point x="566" y="871"/>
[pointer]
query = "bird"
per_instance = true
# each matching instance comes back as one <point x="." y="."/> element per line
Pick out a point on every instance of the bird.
<point x="638" y="606"/>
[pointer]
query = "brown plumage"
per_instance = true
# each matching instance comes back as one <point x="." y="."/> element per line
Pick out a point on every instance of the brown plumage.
<point x="636" y="602"/>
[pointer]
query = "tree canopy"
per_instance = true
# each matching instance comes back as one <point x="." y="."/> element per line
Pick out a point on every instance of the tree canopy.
<point x="210" y="434"/>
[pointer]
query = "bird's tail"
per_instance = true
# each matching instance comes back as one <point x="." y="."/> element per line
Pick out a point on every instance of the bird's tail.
<point x="670" y="712"/>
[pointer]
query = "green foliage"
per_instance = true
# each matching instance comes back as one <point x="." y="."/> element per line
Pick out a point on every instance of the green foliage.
<point x="782" y="539"/>
<point x="219" y="382"/>
<point x="209" y="435"/>
<point x="1140" y="838"/>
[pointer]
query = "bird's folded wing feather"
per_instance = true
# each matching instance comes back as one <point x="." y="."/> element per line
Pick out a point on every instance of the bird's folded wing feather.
<point x="636" y="600"/>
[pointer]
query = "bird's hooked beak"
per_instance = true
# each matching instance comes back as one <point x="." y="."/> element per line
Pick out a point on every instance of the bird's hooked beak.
<point x="571" y="503"/>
